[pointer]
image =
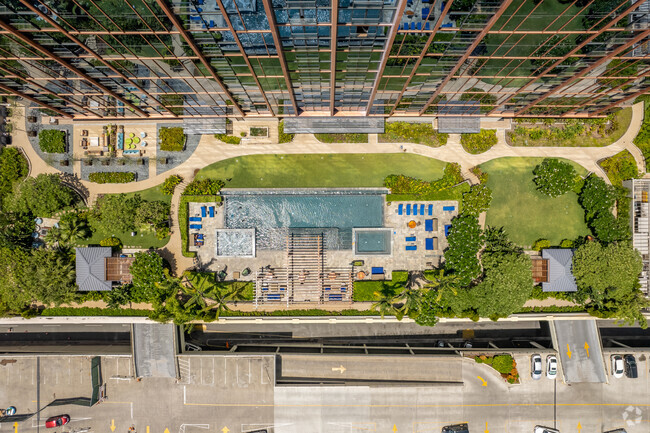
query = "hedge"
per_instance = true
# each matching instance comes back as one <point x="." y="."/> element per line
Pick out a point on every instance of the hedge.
<point x="283" y="137"/>
<point x="479" y="143"/>
<point x="204" y="187"/>
<point x="229" y="139"/>
<point x="52" y="141"/>
<point x="172" y="139"/>
<point x="90" y="311"/>
<point x="112" y="177"/>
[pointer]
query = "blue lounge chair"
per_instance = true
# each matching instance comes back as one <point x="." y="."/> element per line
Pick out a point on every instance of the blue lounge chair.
<point x="211" y="23"/>
<point x="408" y="209"/>
<point x="447" y="25"/>
<point x="430" y="209"/>
<point x="442" y="6"/>
<point x="199" y="2"/>
<point x="203" y="212"/>
<point x="327" y="288"/>
<point x="282" y="289"/>
<point x="428" y="244"/>
<point x="411" y="248"/>
<point x="428" y="225"/>
<point x="335" y="297"/>
<point x="211" y="211"/>
<point x="199" y="236"/>
<point x="412" y="26"/>
<point x="415" y="209"/>
<point x="197" y="219"/>
<point x="426" y="25"/>
<point x="400" y="209"/>
<point x="418" y="26"/>
<point x="344" y="289"/>
<point x="273" y="297"/>
<point x="421" y="209"/>
<point x="447" y="227"/>
<point x="265" y="289"/>
<point x="449" y="208"/>
<point x="195" y="18"/>
<point x="425" y="13"/>
<point x="410" y="239"/>
<point x="409" y="2"/>
<point x="377" y="270"/>
<point x="196" y="226"/>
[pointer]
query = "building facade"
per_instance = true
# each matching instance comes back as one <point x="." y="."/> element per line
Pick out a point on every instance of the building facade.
<point x="216" y="58"/>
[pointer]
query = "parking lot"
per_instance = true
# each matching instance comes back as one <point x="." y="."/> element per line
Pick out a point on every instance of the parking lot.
<point x="238" y="393"/>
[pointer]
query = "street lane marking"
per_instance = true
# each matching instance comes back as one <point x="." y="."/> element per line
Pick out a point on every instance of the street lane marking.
<point x="580" y="425"/>
<point x="486" y="428"/>
<point x="418" y="405"/>
<point x="15" y="427"/>
<point x="482" y="380"/>
<point x="225" y="429"/>
<point x="112" y="425"/>
<point x="394" y="428"/>
<point x="568" y="350"/>
<point x="340" y="369"/>
<point x="587" y="349"/>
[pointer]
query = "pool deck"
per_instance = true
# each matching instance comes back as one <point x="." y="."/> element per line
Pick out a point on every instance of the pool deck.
<point x="407" y="231"/>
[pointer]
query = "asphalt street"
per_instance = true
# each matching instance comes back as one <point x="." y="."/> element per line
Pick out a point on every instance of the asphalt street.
<point x="239" y="394"/>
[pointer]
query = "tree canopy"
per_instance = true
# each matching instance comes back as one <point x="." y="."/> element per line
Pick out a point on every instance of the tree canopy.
<point x="465" y="240"/>
<point x="147" y="273"/>
<point x="43" y="196"/>
<point x="554" y="177"/>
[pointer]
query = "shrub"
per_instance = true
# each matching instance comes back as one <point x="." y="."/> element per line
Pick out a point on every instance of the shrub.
<point x="204" y="187"/>
<point x="162" y="232"/>
<point x="230" y="139"/>
<point x="400" y="184"/>
<point x="465" y="240"/>
<point x="420" y="133"/>
<point x="52" y="141"/>
<point x="478" y="172"/>
<point x="111" y="242"/>
<point x="620" y="167"/>
<point x="282" y="136"/>
<point x="477" y="200"/>
<point x="541" y="244"/>
<point x="172" y="139"/>
<point x="503" y="363"/>
<point x="566" y="243"/>
<point x="342" y="138"/>
<point x="554" y="177"/>
<point x="170" y="183"/>
<point x="257" y="131"/>
<point x="112" y="177"/>
<point x="479" y="143"/>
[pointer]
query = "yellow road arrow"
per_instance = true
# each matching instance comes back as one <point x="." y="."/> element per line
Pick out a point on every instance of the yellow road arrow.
<point x="486" y="429"/>
<point x="340" y="369"/>
<point x="587" y="349"/>
<point x="112" y="425"/>
<point x="166" y="430"/>
<point x="482" y="380"/>
<point x="568" y="351"/>
<point x="225" y="429"/>
<point x="579" y="427"/>
<point x="147" y="429"/>
<point x="15" y="427"/>
<point x="394" y="428"/>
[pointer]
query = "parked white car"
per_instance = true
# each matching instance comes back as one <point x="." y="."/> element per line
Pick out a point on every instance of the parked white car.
<point x="617" y="366"/>
<point x="540" y="429"/>
<point x="536" y="366"/>
<point x="551" y="366"/>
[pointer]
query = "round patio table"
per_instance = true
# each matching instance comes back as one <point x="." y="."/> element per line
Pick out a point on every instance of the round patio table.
<point x="412" y="224"/>
<point x="361" y="275"/>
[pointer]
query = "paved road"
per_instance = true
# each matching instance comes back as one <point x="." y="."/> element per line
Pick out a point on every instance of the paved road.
<point x="578" y="343"/>
<point x="238" y="392"/>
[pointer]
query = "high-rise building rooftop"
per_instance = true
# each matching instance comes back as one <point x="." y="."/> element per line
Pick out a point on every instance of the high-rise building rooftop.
<point x="215" y="58"/>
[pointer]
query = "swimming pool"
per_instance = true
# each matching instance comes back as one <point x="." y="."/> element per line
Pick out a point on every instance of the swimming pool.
<point x="372" y="241"/>
<point x="275" y="213"/>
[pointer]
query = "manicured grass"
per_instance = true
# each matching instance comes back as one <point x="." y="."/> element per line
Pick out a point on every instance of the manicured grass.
<point x="152" y="194"/>
<point x="526" y="214"/>
<point x="324" y="171"/>
<point x="142" y="239"/>
<point x="365" y="290"/>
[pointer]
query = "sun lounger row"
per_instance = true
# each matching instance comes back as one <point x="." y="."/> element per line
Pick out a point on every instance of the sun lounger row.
<point x="400" y="209"/>
<point x="205" y="210"/>
<point x="343" y="289"/>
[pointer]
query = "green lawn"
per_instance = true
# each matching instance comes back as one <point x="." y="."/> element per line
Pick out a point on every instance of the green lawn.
<point x="365" y="290"/>
<point x="152" y="194"/>
<point x="526" y="214"/>
<point x="320" y="170"/>
<point x="140" y="240"/>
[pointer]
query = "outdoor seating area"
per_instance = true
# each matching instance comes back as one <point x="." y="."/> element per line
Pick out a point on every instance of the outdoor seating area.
<point x="115" y="140"/>
<point x="203" y="223"/>
<point x="422" y="15"/>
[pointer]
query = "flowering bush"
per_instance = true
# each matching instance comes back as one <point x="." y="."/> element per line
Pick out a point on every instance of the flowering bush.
<point x="479" y="143"/>
<point x="554" y="177"/>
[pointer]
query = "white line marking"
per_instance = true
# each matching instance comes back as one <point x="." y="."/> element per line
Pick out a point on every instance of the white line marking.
<point x="225" y="371"/>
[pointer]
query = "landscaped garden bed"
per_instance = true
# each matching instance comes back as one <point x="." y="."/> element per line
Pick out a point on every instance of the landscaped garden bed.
<point x="172" y="139"/>
<point x="229" y="139"/>
<point x="504" y="364"/>
<point x="112" y="177"/>
<point x="367" y="290"/>
<point x="52" y="141"/>
<point x="479" y="143"/>
<point x="419" y="133"/>
<point x="342" y="138"/>
<point x="284" y="137"/>
<point x="642" y="140"/>
<point x="570" y="132"/>
<point x="620" y="167"/>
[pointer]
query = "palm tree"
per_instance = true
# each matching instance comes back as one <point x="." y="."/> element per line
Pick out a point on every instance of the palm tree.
<point x="411" y="299"/>
<point x="205" y="285"/>
<point x="444" y="283"/>
<point x="385" y="304"/>
<point x="73" y="229"/>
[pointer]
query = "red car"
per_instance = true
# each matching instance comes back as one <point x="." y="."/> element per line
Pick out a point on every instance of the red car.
<point x="57" y="421"/>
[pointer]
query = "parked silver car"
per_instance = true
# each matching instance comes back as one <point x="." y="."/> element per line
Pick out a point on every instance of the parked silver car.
<point x="536" y="366"/>
<point x="551" y="366"/>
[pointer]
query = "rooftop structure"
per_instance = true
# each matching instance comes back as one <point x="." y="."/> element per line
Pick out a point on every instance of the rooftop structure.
<point x="97" y="270"/>
<point x="193" y="59"/>
<point x="554" y="270"/>
<point x="639" y="222"/>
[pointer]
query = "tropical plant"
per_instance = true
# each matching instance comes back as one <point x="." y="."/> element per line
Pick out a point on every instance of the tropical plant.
<point x="73" y="228"/>
<point x="477" y="200"/>
<point x="52" y="140"/>
<point x="170" y="184"/>
<point x="465" y="240"/>
<point x="479" y="143"/>
<point x="43" y="195"/>
<point x="171" y="139"/>
<point x="385" y="304"/>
